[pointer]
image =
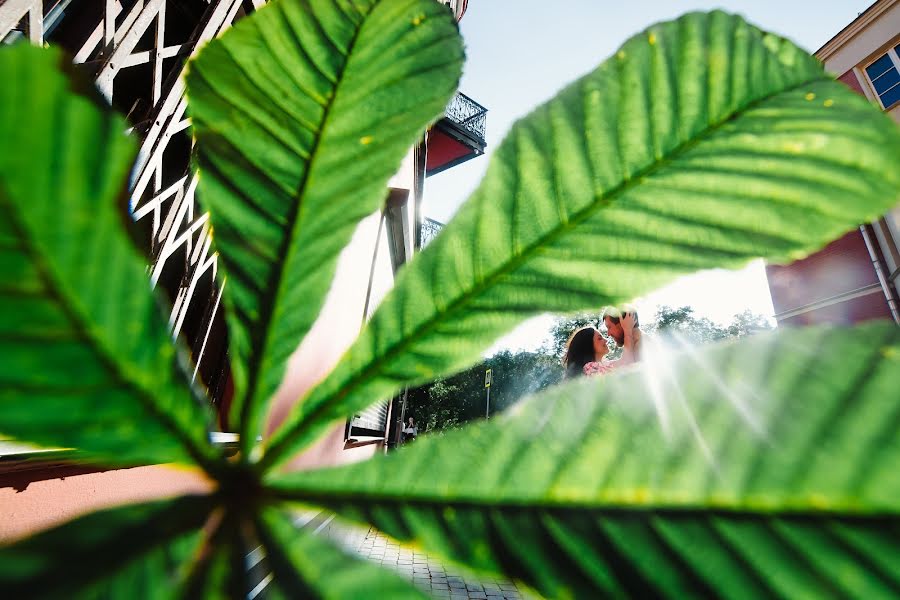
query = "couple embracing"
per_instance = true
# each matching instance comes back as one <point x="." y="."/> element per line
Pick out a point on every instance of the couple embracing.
<point x="587" y="348"/>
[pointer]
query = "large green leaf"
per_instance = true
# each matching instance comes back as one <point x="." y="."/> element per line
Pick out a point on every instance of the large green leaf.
<point x="302" y="112"/>
<point x="142" y="549"/>
<point x="764" y="468"/>
<point x="305" y="565"/>
<point x="702" y="143"/>
<point x="87" y="361"/>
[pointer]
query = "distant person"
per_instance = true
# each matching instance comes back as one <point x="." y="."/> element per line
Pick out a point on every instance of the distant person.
<point x="410" y="431"/>
<point x="625" y="329"/>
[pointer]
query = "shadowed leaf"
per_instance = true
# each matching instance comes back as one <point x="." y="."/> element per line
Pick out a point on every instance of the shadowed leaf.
<point x="142" y="549"/>
<point x="308" y="566"/>
<point x="755" y="469"/>
<point x="221" y="570"/>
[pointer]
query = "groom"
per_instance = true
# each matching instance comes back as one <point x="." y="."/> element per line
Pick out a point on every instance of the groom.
<point x="623" y="326"/>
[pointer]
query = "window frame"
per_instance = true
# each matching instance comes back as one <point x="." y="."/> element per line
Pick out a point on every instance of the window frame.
<point x="895" y="61"/>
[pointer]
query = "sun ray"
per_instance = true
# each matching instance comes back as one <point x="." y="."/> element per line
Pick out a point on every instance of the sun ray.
<point x="655" y="357"/>
<point x="728" y="392"/>
<point x="662" y="379"/>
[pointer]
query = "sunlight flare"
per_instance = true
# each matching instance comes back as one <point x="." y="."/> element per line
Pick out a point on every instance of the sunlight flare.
<point x="729" y="393"/>
<point x="662" y="382"/>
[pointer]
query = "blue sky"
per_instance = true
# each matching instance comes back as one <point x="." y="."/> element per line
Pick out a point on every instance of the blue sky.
<point x="521" y="52"/>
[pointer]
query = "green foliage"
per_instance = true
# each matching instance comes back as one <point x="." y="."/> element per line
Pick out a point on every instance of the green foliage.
<point x="759" y="468"/>
<point x="682" y="322"/>
<point x="747" y="323"/>
<point x="295" y="147"/>
<point x="517" y="375"/>
<point x="87" y="361"/>
<point x="448" y="403"/>
<point x="630" y="176"/>
<point x="442" y="405"/>
<point x="695" y="486"/>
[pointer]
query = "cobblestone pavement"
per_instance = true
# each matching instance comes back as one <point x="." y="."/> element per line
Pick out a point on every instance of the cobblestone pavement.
<point x="431" y="575"/>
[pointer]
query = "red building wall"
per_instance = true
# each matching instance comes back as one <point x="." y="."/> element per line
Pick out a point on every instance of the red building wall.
<point x="840" y="277"/>
<point x="835" y="285"/>
<point x="851" y="81"/>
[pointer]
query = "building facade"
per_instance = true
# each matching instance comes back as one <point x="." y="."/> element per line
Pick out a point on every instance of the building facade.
<point x="136" y="51"/>
<point x="854" y="278"/>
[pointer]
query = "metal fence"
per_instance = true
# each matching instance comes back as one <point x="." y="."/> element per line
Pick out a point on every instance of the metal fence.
<point x="468" y="114"/>
<point x="430" y="229"/>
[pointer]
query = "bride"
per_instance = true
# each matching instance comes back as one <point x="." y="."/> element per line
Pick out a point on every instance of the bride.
<point x="587" y="348"/>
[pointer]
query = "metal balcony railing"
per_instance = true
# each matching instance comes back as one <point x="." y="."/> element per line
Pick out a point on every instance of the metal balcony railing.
<point x="430" y="229"/>
<point x="467" y="114"/>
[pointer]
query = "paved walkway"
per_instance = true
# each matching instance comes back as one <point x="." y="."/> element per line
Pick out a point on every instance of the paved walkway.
<point x="430" y="575"/>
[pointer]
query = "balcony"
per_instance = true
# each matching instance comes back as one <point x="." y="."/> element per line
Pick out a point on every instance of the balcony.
<point x="459" y="136"/>
<point x="429" y="230"/>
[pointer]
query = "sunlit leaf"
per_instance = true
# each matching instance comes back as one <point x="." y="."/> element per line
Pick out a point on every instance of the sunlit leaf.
<point x="302" y="113"/>
<point x="308" y="566"/>
<point x="87" y="361"/>
<point x="144" y="549"/>
<point x="703" y="142"/>
<point x="764" y="468"/>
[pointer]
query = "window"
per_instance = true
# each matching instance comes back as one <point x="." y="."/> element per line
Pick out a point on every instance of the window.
<point x="885" y="77"/>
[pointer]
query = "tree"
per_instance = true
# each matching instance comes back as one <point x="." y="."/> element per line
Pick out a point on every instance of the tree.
<point x="563" y="327"/>
<point x="681" y="322"/>
<point x="442" y="410"/>
<point x="517" y="375"/>
<point x="450" y="402"/>
<point x="747" y="323"/>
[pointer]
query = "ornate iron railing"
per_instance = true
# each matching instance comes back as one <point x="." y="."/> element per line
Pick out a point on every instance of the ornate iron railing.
<point x="468" y="114"/>
<point x="430" y="229"/>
